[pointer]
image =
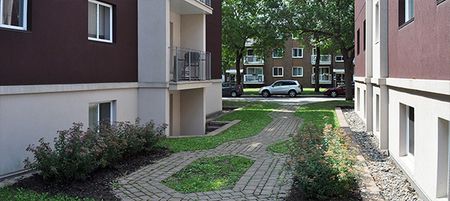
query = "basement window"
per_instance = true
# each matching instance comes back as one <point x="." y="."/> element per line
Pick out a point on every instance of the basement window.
<point x="100" y="113"/>
<point x="100" y="21"/>
<point x="442" y="190"/>
<point x="13" y="14"/>
<point x="407" y="130"/>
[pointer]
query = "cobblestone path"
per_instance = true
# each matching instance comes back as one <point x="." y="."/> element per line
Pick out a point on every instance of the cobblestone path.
<point x="265" y="180"/>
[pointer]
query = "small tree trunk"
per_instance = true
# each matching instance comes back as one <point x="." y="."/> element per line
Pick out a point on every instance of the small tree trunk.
<point x="316" y="71"/>
<point x="348" y="63"/>
<point x="238" y="67"/>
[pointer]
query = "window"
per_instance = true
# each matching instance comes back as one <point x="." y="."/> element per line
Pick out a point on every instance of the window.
<point x="377" y="23"/>
<point x="364" y="37"/>
<point x="314" y="51"/>
<point x="100" y="21"/>
<point x="13" y="14"/>
<point x="101" y="113"/>
<point x="250" y="52"/>
<point x="339" y="59"/>
<point x="297" y="71"/>
<point x="443" y="158"/>
<point x="297" y="52"/>
<point x="405" y="12"/>
<point x="255" y="70"/>
<point x="278" y="53"/>
<point x="439" y="1"/>
<point x="407" y="118"/>
<point x="357" y="42"/>
<point x="277" y="71"/>
<point x="377" y="113"/>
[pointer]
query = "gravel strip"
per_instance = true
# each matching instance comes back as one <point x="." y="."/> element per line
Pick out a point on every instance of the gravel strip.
<point x="388" y="177"/>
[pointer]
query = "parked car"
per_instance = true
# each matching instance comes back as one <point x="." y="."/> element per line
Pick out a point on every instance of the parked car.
<point x="282" y="87"/>
<point x="336" y="91"/>
<point x="231" y="89"/>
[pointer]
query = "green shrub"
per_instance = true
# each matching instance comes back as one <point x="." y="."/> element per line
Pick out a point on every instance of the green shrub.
<point x="322" y="163"/>
<point x="78" y="153"/>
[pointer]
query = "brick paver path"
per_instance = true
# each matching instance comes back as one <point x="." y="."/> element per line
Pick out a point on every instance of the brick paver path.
<point x="265" y="180"/>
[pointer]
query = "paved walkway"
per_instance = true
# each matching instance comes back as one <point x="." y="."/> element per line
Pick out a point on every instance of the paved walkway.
<point x="265" y="180"/>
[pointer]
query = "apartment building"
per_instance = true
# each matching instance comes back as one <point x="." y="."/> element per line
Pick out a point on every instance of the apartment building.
<point x="402" y="88"/>
<point x="295" y="61"/>
<point x="89" y="61"/>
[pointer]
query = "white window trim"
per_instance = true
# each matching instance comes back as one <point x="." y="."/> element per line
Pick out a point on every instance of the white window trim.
<point x="282" y="71"/>
<point x="339" y="60"/>
<point x="98" y="21"/>
<point x="273" y="54"/>
<point x="25" y="17"/>
<point x="297" y="75"/>
<point x="111" y="108"/>
<point x="297" y="57"/>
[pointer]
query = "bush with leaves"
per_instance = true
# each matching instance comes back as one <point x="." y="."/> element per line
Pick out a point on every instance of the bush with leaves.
<point x="323" y="163"/>
<point x="78" y="153"/>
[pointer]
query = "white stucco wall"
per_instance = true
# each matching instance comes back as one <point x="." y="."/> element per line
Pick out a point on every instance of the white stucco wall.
<point x="192" y="112"/>
<point x="25" y="118"/>
<point x="359" y="103"/>
<point x="193" y="32"/>
<point x="422" y="168"/>
<point x="214" y="97"/>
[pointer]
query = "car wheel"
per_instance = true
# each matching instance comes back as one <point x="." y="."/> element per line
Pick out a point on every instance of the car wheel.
<point x="233" y="94"/>
<point x="265" y="93"/>
<point x="292" y="93"/>
<point x="333" y="94"/>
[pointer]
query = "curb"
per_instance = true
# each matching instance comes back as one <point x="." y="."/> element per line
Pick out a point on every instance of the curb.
<point x="370" y="190"/>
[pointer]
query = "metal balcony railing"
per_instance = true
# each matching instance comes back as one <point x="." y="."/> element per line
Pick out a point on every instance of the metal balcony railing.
<point x="324" y="78"/>
<point x="253" y="79"/>
<point x="207" y="2"/>
<point x="190" y="65"/>
<point x="324" y="59"/>
<point x="253" y="60"/>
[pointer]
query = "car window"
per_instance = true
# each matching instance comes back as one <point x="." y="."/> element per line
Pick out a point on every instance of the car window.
<point x="277" y="84"/>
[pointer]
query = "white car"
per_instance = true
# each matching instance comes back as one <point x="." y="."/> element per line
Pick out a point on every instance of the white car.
<point x="282" y="87"/>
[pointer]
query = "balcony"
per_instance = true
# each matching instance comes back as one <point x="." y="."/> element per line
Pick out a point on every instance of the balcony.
<point x="323" y="79"/>
<point x="190" y="7"/>
<point x="250" y="42"/>
<point x="253" y="79"/>
<point x="253" y="60"/>
<point x="190" y="65"/>
<point x="324" y="59"/>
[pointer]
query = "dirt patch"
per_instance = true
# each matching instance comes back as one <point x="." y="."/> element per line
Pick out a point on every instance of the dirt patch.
<point x="99" y="185"/>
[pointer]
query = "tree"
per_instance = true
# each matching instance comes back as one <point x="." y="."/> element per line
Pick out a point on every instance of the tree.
<point x="259" y="20"/>
<point x="332" y="19"/>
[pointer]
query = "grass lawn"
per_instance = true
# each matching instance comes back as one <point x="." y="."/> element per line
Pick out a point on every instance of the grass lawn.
<point x="281" y="147"/>
<point x="254" y="117"/>
<point x="321" y="113"/>
<point x="9" y="194"/>
<point x="306" y="91"/>
<point x="209" y="174"/>
<point x="251" y="91"/>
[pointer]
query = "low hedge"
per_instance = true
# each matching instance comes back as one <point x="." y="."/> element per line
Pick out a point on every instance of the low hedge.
<point x="323" y="164"/>
<point x="77" y="153"/>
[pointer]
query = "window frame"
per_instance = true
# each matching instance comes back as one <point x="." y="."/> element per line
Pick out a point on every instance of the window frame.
<point x="112" y="111"/>
<point x="339" y="60"/>
<point x="297" y="57"/>
<point x="111" y="24"/>
<point x="278" y="67"/>
<point x="24" y="17"/>
<point x="299" y="68"/>
<point x="403" y="12"/>
<point x="273" y="53"/>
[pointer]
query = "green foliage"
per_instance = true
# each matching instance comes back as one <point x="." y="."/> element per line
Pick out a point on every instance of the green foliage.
<point x="254" y="117"/>
<point x="9" y="194"/>
<point x="78" y="153"/>
<point x="250" y="19"/>
<point x="322" y="163"/>
<point x="209" y="174"/>
<point x="280" y="147"/>
<point x="322" y="113"/>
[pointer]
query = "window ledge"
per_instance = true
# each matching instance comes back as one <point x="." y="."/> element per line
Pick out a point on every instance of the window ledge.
<point x="406" y="23"/>
<point x="100" y="40"/>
